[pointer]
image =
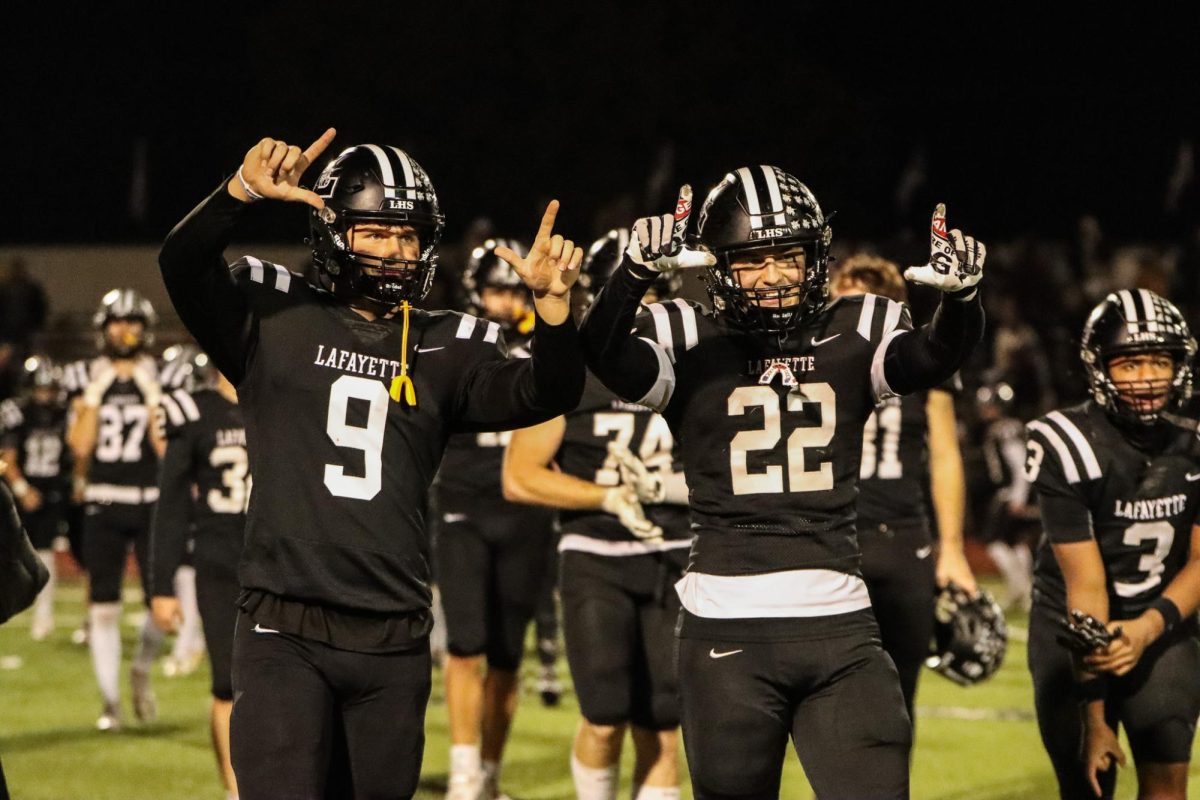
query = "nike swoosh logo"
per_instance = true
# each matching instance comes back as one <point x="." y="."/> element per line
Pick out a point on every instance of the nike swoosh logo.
<point x="714" y="654"/>
<point x="818" y="342"/>
<point x="428" y="349"/>
<point x="1190" y="478"/>
<point x="925" y="551"/>
<point x="453" y="517"/>
<point x="260" y="629"/>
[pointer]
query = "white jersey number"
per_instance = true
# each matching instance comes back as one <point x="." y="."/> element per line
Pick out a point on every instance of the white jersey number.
<point x="43" y="452"/>
<point x="881" y="454"/>
<point x="1163" y="534"/>
<point x="235" y="469"/>
<point x="122" y="429"/>
<point x="770" y="480"/>
<point x="368" y="439"/>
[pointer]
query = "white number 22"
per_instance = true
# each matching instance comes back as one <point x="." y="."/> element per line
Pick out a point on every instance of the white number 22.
<point x="770" y="481"/>
<point x="368" y="439"/>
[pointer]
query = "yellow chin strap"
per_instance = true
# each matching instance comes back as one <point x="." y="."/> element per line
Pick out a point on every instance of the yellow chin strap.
<point x="402" y="385"/>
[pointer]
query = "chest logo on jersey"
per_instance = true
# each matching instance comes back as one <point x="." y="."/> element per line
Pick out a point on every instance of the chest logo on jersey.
<point x="785" y="368"/>
<point x="349" y="361"/>
<point x="1156" y="508"/>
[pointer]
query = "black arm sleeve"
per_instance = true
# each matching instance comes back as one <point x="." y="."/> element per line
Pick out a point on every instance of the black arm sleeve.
<point x="201" y="288"/>
<point x="614" y="352"/>
<point x="172" y="515"/>
<point x="516" y="393"/>
<point x="930" y="356"/>
<point x="22" y="573"/>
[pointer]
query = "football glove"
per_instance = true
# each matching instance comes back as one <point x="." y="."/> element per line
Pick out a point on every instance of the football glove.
<point x="622" y="503"/>
<point x="955" y="261"/>
<point x="93" y="395"/>
<point x="657" y="242"/>
<point x="636" y="475"/>
<point x="1083" y="634"/>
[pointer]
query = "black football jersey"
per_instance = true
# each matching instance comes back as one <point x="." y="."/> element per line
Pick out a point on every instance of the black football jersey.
<point x="893" y="484"/>
<point x="37" y="433"/>
<point x="124" y="455"/>
<point x="1004" y="457"/>
<point x="204" y="483"/>
<point x="472" y="465"/>
<point x="1139" y="505"/>
<point x="601" y="418"/>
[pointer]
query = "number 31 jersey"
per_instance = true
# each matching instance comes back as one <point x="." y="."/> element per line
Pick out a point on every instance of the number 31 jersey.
<point x="1138" y="505"/>
<point x="772" y="434"/>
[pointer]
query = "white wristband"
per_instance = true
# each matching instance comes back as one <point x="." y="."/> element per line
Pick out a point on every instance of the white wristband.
<point x="253" y="195"/>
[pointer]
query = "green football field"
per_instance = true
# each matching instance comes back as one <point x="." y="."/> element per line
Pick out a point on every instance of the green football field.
<point x="978" y="744"/>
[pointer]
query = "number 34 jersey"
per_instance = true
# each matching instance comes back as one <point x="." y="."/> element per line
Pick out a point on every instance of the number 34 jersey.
<point x="772" y="438"/>
<point x="1138" y="505"/>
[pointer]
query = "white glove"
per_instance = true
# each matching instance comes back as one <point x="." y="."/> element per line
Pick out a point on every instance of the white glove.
<point x="657" y="242"/>
<point x="636" y="475"/>
<point x="955" y="261"/>
<point x="93" y="395"/>
<point x="147" y="385"/>
<point x="622" y="503"/>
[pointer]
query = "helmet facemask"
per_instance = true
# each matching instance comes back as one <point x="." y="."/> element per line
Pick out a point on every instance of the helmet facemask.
<point x="382" y="281"/>
<point x="772" y="309"/>
<point x="1140" y="401"/>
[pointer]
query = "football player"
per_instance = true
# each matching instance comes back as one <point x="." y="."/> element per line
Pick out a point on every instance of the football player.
<point x="204" y="485"/>
<point x="609" y="466"/>
<point x="349" y="394"/>
<point x="907" y="441"/>
<point x="1118" y="486"/>
<point x="33" y="431"/>
<point x="116" y="451"/>
<point x="489" y="554"/>
<point x="767" y="398"/>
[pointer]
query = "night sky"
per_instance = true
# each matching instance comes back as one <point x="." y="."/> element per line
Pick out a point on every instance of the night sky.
<point x="117" y="123"/>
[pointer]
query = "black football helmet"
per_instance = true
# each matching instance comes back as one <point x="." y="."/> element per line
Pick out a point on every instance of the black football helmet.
<point x="188" y="367"/>
<point x="485" y="269"/>
<point x="762" y="208"/>
<point x="124" y="304"/>
<point x="1132" y="322"/>
<point x="970" y="636"/>
<point x="603" y="258"/>
<point x="378" y="184"/>
<point x="39" y="372"/>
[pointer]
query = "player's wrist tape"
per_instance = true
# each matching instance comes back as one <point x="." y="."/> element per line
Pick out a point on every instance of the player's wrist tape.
<point x="1170" y="612"/>
<point x="253" y="195"/>
<point x="1091" y="690"/>
<point x="20" y="488"/>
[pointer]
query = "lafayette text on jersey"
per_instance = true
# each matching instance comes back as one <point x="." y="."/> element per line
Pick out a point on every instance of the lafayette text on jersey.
<point x="1139" y="505"/>
<point x="341" y="470"/>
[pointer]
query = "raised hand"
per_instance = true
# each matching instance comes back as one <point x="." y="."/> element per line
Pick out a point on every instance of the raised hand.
<point x="272" y="170"/>
<point x="955" y="260"/>
<point x="552" y="266"/>
<point x="657" y="242"/>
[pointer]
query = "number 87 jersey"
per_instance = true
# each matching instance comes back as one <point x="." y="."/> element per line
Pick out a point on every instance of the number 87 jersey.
<point x="1138" y="501"/>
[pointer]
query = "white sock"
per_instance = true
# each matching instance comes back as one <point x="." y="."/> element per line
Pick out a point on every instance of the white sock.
<point x="150" y="640"/>
<point x="464" y="761"/>
<point x="43" y="607"/>
<point x="104" y="640"/>
<point x="655" y="792"/>
<point x="592" y="783"/>
<point x="190" y="638"/>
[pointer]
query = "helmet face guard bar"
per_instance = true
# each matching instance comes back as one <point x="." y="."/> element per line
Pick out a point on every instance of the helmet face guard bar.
<point x="1141" y="401"/>
<point x="381" y="280"/>
<point x="774" y="309"/>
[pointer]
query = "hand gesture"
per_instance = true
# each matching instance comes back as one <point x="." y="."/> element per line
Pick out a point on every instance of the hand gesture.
<point x="622" y="503"/>
<point x="636" y="475"/>
<point x="272" y="169"/>
<point x="1130" y="640"/>
<point x="552" y="266"/>
<point x="657" y="242"/>
<point x="955" y="261"/>
<point x="1101" y="751"/>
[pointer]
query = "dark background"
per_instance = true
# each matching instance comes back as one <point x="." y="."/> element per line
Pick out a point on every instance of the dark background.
<point x="1021" y="119"/>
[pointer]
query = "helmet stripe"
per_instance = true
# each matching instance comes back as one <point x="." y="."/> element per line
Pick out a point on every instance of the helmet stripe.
<point x="406" y="167"/>
<point x="1151" y="309"/>
<point x="751" y="193"/>
<point x="774" y="194"/>
<point x="385" y="169"/>
<point x="1130" y="307"/>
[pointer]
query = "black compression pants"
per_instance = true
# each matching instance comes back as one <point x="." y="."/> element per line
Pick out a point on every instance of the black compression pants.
<point x="108" y="532"/>
<point x="313" y="722"/>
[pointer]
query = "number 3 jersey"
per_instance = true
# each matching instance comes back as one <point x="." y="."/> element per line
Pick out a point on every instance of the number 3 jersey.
<point x="1137" y="503"/>
<point x="204" y="484"/>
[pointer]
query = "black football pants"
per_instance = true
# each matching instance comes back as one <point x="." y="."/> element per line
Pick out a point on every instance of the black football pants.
<point x="313" y="722"/>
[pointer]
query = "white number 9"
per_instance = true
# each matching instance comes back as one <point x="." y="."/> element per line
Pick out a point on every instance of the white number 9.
<point x="368" y="439"/>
